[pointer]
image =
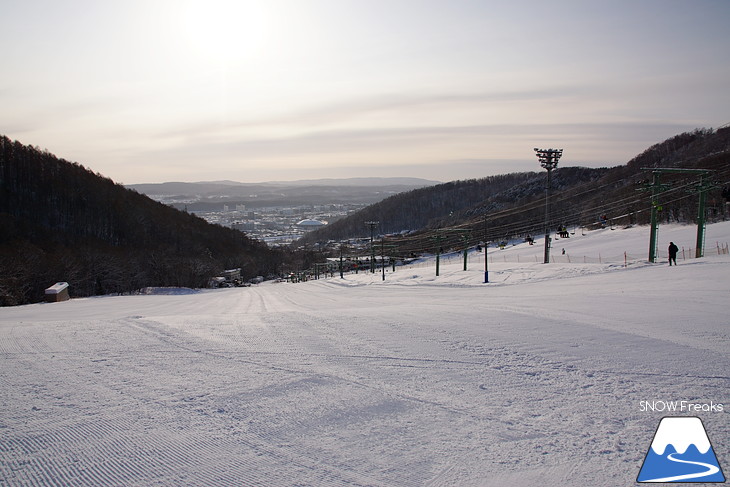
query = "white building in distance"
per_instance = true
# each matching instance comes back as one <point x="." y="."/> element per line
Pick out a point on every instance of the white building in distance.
<point x="310" y="224"/>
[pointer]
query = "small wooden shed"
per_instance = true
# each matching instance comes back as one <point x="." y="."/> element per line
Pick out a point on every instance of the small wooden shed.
<point x="57" y="292"/>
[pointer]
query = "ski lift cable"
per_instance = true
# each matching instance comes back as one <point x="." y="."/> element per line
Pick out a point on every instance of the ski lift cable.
<point x="529" y="225"/>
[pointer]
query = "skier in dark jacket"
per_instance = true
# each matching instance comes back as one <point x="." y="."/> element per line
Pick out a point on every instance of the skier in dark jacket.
<point x="673" y="249"/>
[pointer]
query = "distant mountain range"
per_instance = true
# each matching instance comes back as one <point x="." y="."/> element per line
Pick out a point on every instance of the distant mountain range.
<point x="206" y="194"/>
<point x="414" y="182"/>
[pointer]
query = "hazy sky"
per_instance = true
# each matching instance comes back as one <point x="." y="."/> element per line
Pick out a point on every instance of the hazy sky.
<point x="190" y="90"/>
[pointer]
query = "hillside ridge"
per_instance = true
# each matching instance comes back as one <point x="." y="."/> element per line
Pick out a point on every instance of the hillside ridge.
<point x="514" y="204"/>
<point x="63" y="222"/>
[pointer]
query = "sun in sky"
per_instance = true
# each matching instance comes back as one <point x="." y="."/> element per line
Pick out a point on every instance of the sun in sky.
<point x="226" y="30"/>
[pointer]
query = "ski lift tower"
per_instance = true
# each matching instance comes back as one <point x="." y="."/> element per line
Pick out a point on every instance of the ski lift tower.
<point x="549" y="160"/>
<point x="702" y="187"/>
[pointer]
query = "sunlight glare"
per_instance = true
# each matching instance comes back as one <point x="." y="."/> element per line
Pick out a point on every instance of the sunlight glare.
<point x="225" y="30"/>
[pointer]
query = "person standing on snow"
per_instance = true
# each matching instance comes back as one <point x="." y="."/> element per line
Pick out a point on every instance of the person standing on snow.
<point x="673" y="249"/>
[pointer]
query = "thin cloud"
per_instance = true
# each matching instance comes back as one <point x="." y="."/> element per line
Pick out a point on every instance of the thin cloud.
<point x="390" y="144"/>
<point x="354" y="108"/>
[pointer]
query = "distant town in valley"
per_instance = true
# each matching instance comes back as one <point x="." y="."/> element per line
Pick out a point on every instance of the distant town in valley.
<point x="278" y="213"/>
<point x="277" y="225"/>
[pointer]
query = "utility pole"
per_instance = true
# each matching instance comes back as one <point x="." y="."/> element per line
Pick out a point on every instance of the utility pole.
<point x="441" y="237"/>
<point x="317" y="267"/>
<point x="372" y="225"/>
<point x="549" y="160"/>
<point x="342" y="274"/>
<point x="438" y="239"/>
<point x="486" y="264"/>
<point x="382" y="255"/>
<point x="465" y="238"/>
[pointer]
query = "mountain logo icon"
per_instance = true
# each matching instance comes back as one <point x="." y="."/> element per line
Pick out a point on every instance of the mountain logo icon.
<point x="680" y="452"/>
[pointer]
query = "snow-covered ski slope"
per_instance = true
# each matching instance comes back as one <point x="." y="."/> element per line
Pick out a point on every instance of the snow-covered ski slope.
<point x="536" y="378"/>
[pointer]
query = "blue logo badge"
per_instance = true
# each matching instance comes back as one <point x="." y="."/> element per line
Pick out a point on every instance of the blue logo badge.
<point x="680" y="452"/>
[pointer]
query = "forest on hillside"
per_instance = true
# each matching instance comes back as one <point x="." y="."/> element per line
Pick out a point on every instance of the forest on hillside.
<point x="509" y="206"/>
<point x="443" y="204"/>
<point x="62" y="222"/>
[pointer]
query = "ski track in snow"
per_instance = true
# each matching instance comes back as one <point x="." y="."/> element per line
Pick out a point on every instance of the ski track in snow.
<point x="356" y="382"/>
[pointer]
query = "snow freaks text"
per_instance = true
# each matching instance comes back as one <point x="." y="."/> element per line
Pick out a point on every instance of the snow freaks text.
<point x="680" y="407"/>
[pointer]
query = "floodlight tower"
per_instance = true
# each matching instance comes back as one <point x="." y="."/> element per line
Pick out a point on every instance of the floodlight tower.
<point x="549" y="160"/>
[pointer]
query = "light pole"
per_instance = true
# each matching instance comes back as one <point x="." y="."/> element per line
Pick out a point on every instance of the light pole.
<point x="549" y="160"/>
